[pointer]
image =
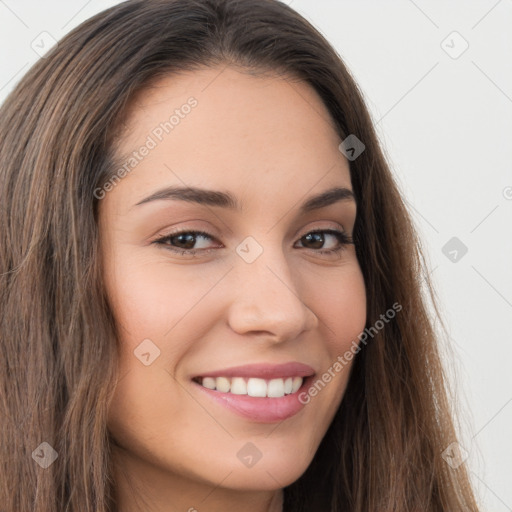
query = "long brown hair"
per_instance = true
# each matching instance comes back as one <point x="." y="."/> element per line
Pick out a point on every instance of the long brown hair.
<point x="58" y="352"/>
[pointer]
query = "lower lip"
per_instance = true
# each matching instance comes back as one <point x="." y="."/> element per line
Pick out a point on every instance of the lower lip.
<point x="260" y="409"/>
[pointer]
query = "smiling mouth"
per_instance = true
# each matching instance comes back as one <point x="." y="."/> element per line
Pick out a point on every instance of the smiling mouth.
<point x="252" y="386"/>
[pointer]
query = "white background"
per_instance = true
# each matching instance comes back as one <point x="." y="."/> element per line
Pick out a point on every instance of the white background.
<point x="446" y="126"/>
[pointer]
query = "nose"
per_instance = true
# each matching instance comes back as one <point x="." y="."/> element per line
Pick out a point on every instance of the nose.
<point x="267" y="299"/>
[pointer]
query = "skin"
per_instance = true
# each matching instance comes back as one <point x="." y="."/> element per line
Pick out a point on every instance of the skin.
<point x="270" y="142"/>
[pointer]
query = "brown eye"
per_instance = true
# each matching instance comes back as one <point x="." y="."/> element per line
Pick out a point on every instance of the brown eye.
<point x="316" y="240"/>
<point x="185" y="242"/>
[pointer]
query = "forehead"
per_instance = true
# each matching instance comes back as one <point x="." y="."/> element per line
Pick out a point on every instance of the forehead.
<point x="223" y="127"/>
<point x="235" y="89"/>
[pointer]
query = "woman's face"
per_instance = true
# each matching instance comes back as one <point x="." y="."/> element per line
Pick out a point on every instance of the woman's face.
<point x="269" y="298"/>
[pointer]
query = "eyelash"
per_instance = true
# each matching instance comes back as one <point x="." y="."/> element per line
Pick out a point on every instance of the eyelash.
<point x="342" y="237"/>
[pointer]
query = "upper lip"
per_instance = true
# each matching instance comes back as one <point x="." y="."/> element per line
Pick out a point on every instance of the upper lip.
<point x="264" y="371"/>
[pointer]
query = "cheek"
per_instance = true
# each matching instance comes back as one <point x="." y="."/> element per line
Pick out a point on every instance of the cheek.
<point x="151" y="298"/>
<point x="340" y="305"/>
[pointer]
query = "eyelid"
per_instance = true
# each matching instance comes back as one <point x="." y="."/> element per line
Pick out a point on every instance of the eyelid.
<point x="208" y="233"/>
<point x="184" y="228"/>
<point x="309" y="229"/>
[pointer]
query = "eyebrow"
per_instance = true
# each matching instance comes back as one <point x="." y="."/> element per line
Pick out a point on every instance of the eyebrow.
<point x="227" y="200"/>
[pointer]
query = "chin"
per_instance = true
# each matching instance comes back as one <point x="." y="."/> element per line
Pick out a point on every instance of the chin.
<point x="272" y="471"/>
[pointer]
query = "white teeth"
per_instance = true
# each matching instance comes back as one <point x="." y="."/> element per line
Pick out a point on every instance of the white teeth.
<point x="238" y="386"/>
<point x="273" y="388"/>
<point x="296" y="384"/>
<point x="288" y="383"/>
<point x="209" y="382"/>
<point x="222" y="384"/>
<point x="256" y="387"/>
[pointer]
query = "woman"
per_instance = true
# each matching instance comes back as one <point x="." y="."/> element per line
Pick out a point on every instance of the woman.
<point x="211" y="288"/>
